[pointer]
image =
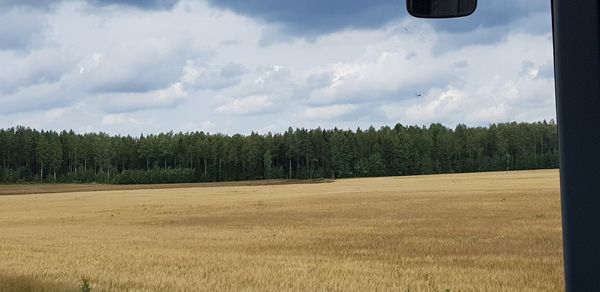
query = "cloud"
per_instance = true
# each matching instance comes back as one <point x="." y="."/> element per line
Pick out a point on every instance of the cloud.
<point x="47" y="4"/>
<point x="207" y="126"/>
<point x="21" y="28"/>
<point x="524" y="100"/>
<point x="41" y="66"/>
<point x="251" y="105"/>
<point x="331" y="112"/>
<point x="43" y="96"/>
<point x="134" y="67"/>
<point x="118" y="62"/>
<point x="313" y="18"/>
<point x="260" y="89"/>
<point x="200" y="77"/>
<point x="119" y="119"/>
<point x="233" y="66"/>
<point x="316" y="17"/>
<point x="143" y="4"/>
<point x="170" y="97"/>
<point x="494" y="88"/>
<point x="448" y="40"/>
<point x="391" y="70"/>
<point x="42" y="4"/>
<point x="493" y="13"/>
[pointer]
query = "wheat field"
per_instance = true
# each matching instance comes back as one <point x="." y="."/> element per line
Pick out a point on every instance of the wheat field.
<point x="459" y="232"/>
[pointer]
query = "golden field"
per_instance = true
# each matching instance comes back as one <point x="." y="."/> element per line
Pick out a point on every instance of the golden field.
<point x="462" y="232"/>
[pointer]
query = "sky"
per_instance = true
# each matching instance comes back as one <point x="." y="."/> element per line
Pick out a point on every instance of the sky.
<point x="237" y="66"/>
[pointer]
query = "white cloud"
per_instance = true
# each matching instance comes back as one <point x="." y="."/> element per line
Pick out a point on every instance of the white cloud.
<point x="251" y="105"/>
<point x="130" y="102"/>
<point x="133" y="67"/>
<point x="330" y="112"/>
<point x="198" y="76"/>
<point x="112" y="120"/>
<point x="207" y="126"/>
<point x="59" y="113"/>
<point x="494" y="88"/>
<point x="20" y="70"/>
<point x="91" y="63"/>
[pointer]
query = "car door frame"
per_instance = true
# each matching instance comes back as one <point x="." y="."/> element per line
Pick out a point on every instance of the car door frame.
<point x="576" y="30"/>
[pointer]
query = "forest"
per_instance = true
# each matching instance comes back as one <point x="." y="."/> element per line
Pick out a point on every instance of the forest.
<point x="29" y="156"/>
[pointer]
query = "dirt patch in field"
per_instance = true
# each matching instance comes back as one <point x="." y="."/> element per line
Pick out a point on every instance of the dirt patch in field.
<point x="30" y="189"/>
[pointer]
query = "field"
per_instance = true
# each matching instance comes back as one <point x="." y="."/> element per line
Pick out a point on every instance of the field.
<point x="462" y="232"/>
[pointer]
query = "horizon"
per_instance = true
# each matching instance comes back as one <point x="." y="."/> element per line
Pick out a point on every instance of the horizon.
<point x="352" y="130"/>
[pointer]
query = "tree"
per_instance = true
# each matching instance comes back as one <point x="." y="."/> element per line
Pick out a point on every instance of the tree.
<point x="341" y="155"/>
<point x="290" y="149"/>
<point x="104" y="154"/>
<point x="165" y="146"/>
<point x="267" y="164"/>
<point x="4" y="150"/>
<point x="376" y="167"/>
<point x="27" y="154"/>
<point x="56" y="154"/>
<point x="146" y="150"/>
<point x="42" y="153"/>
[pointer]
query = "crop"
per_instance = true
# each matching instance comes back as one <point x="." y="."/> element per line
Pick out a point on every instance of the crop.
<point x="461" y="232"/>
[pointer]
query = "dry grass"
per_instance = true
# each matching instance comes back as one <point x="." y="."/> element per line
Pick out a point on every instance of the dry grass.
<point x="471" y="232"/>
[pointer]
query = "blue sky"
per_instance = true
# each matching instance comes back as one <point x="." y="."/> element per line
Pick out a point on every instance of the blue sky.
<point x="236" y="66"/>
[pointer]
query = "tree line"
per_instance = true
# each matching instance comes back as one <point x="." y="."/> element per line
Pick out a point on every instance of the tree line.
<point x="29" y="155"/>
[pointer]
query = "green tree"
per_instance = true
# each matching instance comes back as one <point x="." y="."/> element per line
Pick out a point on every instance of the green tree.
<point x="26" y="154"/>
<point x="42" y="153"/>
<point x="341" y="155"/>
<point x="56" y="154"/>
<point x="376" y="167"/>
<point x="268" y="163"/>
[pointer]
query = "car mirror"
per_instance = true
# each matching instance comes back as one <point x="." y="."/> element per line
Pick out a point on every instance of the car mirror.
<point x="440" y="8"/>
